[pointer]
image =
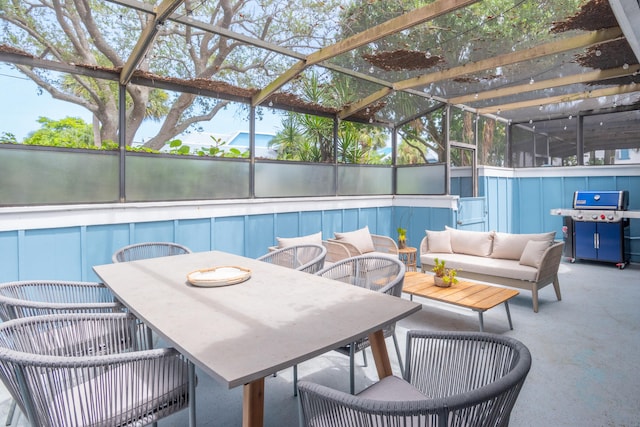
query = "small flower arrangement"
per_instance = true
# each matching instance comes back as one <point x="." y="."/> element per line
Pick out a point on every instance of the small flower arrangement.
<point x="402" y="237"/>
<point x="444" y="277"/>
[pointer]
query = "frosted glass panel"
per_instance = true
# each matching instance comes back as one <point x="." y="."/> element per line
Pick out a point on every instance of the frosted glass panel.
<point x="421" y="179"/>
<point x="294" y="179"/>
<point x="41" y="176"/>
<point x="364" y="180"/>
<point x="150" y="178"/>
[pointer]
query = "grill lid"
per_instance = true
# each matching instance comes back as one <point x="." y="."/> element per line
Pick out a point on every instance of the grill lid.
<point x="603" y="200"/>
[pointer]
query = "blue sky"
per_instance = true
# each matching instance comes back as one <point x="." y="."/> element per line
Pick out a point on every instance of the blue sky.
<point x="22" y="104"/>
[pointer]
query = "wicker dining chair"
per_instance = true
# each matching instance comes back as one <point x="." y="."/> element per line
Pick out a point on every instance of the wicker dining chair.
<point x="451" y="379"/>
<point x="148" y="250"/>
<point x="39" y="297"/>
<point x="380" y="273"/>
<point x="61" y="372"/>
<point x="308" y="258"/>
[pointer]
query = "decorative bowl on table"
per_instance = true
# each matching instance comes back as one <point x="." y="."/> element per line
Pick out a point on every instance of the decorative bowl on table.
<point x="219" y="276"/>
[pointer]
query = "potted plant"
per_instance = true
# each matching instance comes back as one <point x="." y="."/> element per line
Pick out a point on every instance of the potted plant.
<point x="402" y="237"/>
<point x="444" y="277"/>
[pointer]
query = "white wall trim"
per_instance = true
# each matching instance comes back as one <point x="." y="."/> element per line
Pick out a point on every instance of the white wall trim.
<point x="60" y="216"/>
<point x="558" y="172"/>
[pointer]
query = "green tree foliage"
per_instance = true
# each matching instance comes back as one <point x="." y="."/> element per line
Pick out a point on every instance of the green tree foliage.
<point x="309" y="138"/>
<point x="492" y="141"/>
<point x="71" y="132"/>
<point x="477" y="32"/>
<point x="422" y="139"/>
<point x="7" y="138"/>
<point x="102" y="34"/>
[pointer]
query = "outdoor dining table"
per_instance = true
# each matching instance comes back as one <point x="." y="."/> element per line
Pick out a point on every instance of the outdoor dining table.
<point x="241" y="333"/>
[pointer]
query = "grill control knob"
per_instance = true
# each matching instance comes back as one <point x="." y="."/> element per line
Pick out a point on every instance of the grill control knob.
<point x="594" y="217"/>
<point x="610" y="217"/>
<point x="602" y="216"/>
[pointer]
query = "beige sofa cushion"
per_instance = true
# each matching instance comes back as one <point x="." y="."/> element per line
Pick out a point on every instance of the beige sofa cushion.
<point x="310" y="239"/>
<point x="361" y="239"/>
<point x="477" y="243"/>
<point x="511" y="246"/>
<point x="438" y="241"/>
<point x="533" y="251"/>
<point x="508" y="268"/>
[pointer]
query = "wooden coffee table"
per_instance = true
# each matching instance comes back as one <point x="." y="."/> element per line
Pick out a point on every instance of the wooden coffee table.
<point x="476" y="296"/>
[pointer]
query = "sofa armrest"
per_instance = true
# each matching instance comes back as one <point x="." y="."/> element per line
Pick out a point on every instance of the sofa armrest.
<point x="550" y="262"/>
<point x="424" y="246"/>
<point x="381" y="244"/>
<point x="336" y="251"/>
<point x="353" y="251"/>
<point x="384" y="244"/>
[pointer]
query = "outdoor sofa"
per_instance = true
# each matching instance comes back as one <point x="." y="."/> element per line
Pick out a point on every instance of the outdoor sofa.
<point x="523" y="261"/>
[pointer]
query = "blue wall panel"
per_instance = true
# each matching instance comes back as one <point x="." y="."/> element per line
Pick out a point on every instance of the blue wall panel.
<point x="423" y="219"/>
<point x="194" y="234"/>
<point x="259" y="235"/>
<point x="101" y="241"/>
<point x="552" y="196"/>
<point x="310" y="223"/>
<point x="158" y="231"/>
<point x="503" y="206"/>
<point x="350" y="220"/>
<point x="384" y="225"/>
<point x="51" y="254"/>
<point x="287" y="225"/>
<point x="420" y="220"/>
<point x="602" y="183"/>
<point x="573" y="184"/>
<point x="228" y="234"/>
<point x="632" y="185"/>
<point x="529" y="206"/>
<point x="331" y="222"/>
<point x="9" y="256"/>
<point x="368" y="217"/>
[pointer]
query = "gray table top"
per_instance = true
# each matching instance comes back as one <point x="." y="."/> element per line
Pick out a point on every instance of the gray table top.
<point x="243" y="332"/>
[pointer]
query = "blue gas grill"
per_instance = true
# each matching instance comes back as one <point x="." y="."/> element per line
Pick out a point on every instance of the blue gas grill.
<point x="597" y="227"/>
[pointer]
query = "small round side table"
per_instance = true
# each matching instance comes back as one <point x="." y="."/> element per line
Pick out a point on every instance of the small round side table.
<point x="408" y="257"/>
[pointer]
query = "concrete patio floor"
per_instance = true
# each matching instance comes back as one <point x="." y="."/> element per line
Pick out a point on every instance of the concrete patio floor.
<point x="585" y="348"/>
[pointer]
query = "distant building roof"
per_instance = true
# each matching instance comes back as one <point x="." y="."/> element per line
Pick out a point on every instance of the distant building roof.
<point x="238" y="140"/>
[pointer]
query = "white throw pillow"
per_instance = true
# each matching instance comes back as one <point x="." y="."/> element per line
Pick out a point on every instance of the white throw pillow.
<point x="310" y="239"/>
<point x="478" y="243"/>
<point x="510" y="246"/>
<point x="533" y="251"/>
<point x="361" y="239"/>
<point x="438" y="242"/>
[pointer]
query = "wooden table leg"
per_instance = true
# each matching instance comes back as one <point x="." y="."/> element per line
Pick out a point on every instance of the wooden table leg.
<point x="253" y="404"/>
<point x="380" y="355"/>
